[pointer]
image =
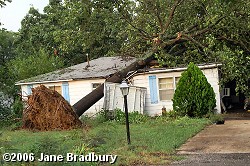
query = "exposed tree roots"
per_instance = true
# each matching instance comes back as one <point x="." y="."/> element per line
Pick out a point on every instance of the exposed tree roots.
<point x="48" y="110"/>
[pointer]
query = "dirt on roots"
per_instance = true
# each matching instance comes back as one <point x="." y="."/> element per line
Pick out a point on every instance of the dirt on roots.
<point x="48" y="110"/>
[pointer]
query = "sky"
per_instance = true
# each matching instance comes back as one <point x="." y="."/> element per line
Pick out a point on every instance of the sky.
<point x="12" y="14"/>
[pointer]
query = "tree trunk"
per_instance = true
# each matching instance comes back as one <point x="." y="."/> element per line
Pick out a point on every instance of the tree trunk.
<point x="86" y="102"/>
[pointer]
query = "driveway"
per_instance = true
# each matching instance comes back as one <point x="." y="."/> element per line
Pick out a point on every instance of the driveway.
<point x="227" y="144"/>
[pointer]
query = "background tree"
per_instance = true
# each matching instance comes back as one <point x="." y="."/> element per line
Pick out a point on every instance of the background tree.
<point x="193" y="96"/>
<point x="38" y="63"/>
<point x="201" y="31"/>
<point x="7" y="53"/>
<point x="73" y="29"/>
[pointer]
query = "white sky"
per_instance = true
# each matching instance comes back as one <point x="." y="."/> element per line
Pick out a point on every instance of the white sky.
<point x="12" y="14"/>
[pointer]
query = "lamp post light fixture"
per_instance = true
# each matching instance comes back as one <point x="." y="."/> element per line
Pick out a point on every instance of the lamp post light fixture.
<point x="125" y="90"/>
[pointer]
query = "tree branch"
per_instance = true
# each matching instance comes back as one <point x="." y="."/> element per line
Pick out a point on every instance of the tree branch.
<point x="157" y="13"/>
<point x="236" y="42"/>
<point x="193" y="40"/>
<point x="208" y="28"/>
<point x="142" y="32"/>
<point x="171" y="15"/>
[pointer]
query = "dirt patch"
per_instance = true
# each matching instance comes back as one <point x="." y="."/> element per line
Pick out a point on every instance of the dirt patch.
<point x="48" y="110"/>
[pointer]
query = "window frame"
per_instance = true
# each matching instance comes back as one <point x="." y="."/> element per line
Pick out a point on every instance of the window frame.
<point x="174" y="78"/>
<point x="162" y="89"/>
<point x="53" y="87"/>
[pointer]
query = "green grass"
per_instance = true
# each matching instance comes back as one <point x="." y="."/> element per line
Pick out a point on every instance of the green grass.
<point x="152" y="142"/>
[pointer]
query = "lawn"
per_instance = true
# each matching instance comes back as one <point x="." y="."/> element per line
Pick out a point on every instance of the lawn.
<point x="153" y="140"/>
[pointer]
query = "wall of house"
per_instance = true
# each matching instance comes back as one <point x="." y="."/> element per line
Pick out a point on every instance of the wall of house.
<point x="76" y="91"/>
<point x="79" y="89"/>
<point x="153" y="108"/>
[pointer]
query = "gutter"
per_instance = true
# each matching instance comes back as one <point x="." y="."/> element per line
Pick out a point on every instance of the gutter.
<point x="42" y="82"/>
<point x="162" y="70"/>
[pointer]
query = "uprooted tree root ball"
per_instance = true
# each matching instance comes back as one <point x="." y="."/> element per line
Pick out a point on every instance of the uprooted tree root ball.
<point x="48" y="110"/>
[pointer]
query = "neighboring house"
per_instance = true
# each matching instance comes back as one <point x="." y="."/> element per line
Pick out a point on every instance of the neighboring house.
<point x="77" y="81"/>
<point x="152" y="87"/>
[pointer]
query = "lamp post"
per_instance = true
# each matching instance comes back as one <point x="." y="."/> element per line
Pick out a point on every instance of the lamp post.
<point x="125" y="90"/>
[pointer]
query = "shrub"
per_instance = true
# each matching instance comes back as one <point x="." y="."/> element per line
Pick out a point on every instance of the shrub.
<point x="134" y="117"/>
<point x="193" y="96"/>
<point x="216" y="118"/>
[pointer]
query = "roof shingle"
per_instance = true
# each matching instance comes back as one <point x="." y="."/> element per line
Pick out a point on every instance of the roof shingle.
<point x="99" y="68"/>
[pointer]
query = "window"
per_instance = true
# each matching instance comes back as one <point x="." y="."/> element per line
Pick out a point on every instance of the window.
<point x="166" y="88"/>
<point x="29" y="89"/>
<point x="56" y="88"/>
<point x="95" y="85"/>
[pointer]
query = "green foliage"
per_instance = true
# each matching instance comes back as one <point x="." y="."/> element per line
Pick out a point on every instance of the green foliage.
<point x="74" y="29"/>
<point x="7" y="46"/>
<point x="134" y="117"/>
<point x="17" y="107"/>
<point x="4" y="113"/>
<point x="118" y="116"/>
<point x="45" y="145"/>
<point x="216" y="118"/>
<point x="236" y="67"/>
<point x="83" y="149"/>
<point x="33" y="65"/>
<point x="170" y="114"/>
<point x="193" y="96"/>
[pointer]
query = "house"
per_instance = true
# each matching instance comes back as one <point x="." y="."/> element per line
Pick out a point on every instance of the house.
<point x="152" y="88"/>
<point x="77" y="81"/>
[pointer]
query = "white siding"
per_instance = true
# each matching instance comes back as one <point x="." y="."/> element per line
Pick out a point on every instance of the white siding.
<point x="79" y="89"/>
<point x="142" y="80"/>
<point x="212" y="76"/>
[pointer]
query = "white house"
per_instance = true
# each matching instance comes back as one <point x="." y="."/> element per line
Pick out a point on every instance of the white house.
<point x="152" y="87"/>
<point x="77" y="81"/>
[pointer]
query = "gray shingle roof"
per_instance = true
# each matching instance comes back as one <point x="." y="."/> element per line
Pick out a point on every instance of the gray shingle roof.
<point x="99" y="68"/>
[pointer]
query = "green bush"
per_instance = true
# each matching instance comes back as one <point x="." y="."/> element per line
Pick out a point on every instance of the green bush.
<point x="216" y="118"/>
<point x="193" y="96"/>
<point x="18" y="107"/>
<point x="46" y="146"/>
<point x="134" y="117"/>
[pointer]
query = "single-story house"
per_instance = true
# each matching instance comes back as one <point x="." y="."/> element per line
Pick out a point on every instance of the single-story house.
<point x="152" y="88"/>
<point x="77" y="81"/>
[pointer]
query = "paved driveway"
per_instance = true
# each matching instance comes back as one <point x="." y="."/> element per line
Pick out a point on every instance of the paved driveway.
<point x="227" y="144"/>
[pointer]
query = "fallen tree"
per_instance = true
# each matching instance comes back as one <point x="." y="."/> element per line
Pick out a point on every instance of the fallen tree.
<point x="48" y="110"/>
<point x="86" y="102"/>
